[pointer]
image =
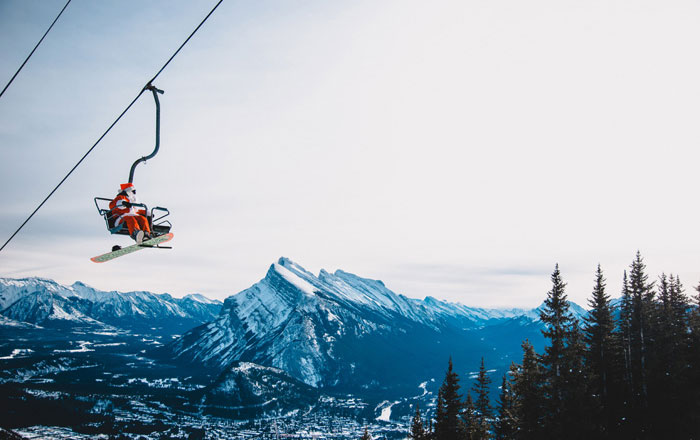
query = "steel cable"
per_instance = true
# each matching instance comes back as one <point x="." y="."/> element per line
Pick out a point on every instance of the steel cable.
<point x="35" y="47"/>
<point x="113" y="124"/>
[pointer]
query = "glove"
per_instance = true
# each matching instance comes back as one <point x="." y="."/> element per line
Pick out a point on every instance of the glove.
<point x="126" y="204"/>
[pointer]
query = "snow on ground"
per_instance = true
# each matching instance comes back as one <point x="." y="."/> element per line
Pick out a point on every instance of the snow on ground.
<point x="83" y="348"/>
<point x="18" y="352"/>
<point x="385" y="415"/>
<point x="53" y="432"/>
<point x="7" y="322"/>
<point x="115" y="333"/>
<point x="424" y="387"/>
<point x="475" y="374"/>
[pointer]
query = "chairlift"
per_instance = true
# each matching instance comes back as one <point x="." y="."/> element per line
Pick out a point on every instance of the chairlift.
<point x="160" y="228"/>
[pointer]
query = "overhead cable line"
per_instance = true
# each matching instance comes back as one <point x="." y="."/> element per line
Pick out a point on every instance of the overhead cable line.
<point x="35" y="47"/>
<point x="146" y="87"/>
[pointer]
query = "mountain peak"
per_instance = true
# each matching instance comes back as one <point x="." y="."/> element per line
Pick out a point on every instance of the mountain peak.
<point x="343" y="274"/>
<point x="198" y="297"/>
<point x="295" y="267"/>
<point x="295" y="275"/>
<point x="284" y="261"/>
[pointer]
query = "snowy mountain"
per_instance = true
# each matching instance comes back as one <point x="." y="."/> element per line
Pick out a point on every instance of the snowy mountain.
<point x="42" y="307"/>
<point x="13" y="289"/>
<point x="41" y="301"/>
<point x="328" y="348"/>
<point x="343" y="331"/>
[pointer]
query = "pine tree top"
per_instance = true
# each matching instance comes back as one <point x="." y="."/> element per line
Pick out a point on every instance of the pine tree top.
<point x="366" y="435"/>
<point x="555" y="314"/>
<point x="450" y="387"/>
<point x="481" y="389"/>
<point x="599" y="320"/>
<point x="417" y="431"/>
<point x="449" y="406"/>
<point x="556" y="304"/>
<point x="639" y="285"/>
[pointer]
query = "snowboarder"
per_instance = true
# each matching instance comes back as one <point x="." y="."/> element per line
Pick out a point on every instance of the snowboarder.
<point x="135" y="219"/>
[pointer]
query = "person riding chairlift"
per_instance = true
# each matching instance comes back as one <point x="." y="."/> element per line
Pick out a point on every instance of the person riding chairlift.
<point x="135" y="219"/>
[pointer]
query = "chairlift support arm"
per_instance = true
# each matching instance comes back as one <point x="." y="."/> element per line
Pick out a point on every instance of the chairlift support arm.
<point x="155" y="92"/>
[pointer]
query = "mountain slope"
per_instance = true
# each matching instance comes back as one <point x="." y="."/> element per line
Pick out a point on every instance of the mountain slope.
<point x="340" y="330"/>
<point x="43" y="307"/>
<point x="246" y="389"/>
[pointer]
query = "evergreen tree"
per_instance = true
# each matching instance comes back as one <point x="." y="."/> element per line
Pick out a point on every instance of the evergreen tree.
<point x="483" y="408"/>
<point x="557" y="320"/>
<point x="529" y="395"/>
<point x="448" y="425"/>
<point x="623" y="343"/>
<point x="642" y="315"/>
<point x="625" y="328"/>
<point x="677" y="320"/>
<point x="693" y="371"/>
<point x="417" y="432"/>
<point x="430" y="432"/>
<point x="599" y="335"/>
<point x="470" y="421"/>
<point x="669" y="383"/>
<point x="506" y="423"/>
<point x="695" y="314"/>
<point x="366" y="435"/>
<point x="642" y="371"/>
<point x="579" y="405"/>
<point x="565" y="376"/>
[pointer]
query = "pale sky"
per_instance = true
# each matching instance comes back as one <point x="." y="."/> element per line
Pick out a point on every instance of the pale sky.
<point x="457" y="149"/>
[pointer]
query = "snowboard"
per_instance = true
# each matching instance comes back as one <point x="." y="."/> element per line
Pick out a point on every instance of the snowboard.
<point x="133" y="248"/>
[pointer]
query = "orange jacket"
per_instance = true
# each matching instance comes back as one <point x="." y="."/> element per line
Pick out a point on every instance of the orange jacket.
<point x="119" y="210"/>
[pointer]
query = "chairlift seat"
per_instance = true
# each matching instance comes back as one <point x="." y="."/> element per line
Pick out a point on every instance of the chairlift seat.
<point x="155" y="220"/>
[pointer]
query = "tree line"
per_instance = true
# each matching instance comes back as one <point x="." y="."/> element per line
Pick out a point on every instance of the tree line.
<point x="630" y="370"/>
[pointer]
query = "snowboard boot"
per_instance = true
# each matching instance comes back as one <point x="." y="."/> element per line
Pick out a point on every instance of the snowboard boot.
<point x="139" y="237"/>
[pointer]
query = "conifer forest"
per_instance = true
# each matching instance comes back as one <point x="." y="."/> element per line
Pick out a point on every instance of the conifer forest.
<point x="630" y="370"/>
